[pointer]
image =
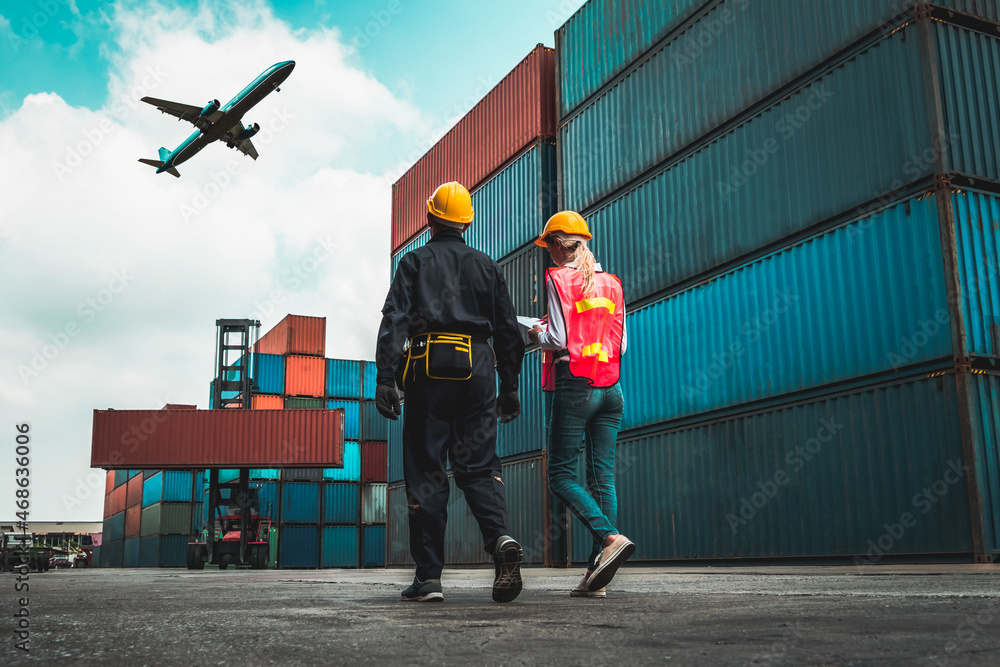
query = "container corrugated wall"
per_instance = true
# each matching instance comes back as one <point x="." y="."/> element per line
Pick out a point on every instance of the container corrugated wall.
<point x="130" y="554"/>
<point x="803" y="317"/>
<point x="133" y="521"/>
<point x="340" y="503"/>
<point x="374" y="460"/>
<point x="133" y="492"/>
<point x="163" y="551"/>
<point x="207" y="438"/>
<point x="305" y="376"/>
<point x="524" y="273"/>
<point x="527" y="432"/>
<point x="343" y="378"/>
<point x="373" y="503"/>
<point x="265" y="402"/>
<point x="300" y="502"/>
<point x="731" y="197"/>
<point x="374" y="546"/>
<point x="977" y="238"/>
<point x="519" y="109"/>
<point x="352" y="417"/>
<point x="173" y="486"/>
<point x="295" y="334"/>
<point x="351" y="472"/>
<point x="374" y="426"/>
<point x="171" y="518"/>
<point x="397" y="528"/>
<point x="814" y="479"/>
<point x="340" y="546"/>
<point x="269" y="373"/>
<point x="984" y="427"/>
<point x="298" y="546"/>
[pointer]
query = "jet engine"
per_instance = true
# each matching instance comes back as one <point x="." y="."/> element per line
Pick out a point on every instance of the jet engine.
<point x="250" y="131"/>
<point x="210" y="108"/>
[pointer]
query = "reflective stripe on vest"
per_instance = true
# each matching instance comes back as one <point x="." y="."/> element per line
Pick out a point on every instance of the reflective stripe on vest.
<point x="594" y="327"/>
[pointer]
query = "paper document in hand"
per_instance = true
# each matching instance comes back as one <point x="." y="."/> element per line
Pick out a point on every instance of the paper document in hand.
<point x="529" y="322"/>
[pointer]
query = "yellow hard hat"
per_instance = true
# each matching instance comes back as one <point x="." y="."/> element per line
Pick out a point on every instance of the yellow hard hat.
<point x="567" y="222"/>
<point x="451" y="202"/>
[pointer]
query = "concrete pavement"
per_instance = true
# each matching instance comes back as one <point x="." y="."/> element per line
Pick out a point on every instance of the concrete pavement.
<point x="879" y="615"/>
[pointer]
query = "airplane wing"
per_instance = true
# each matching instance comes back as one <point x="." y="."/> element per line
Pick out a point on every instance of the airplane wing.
<point x="232" y="139"/>
<point x="187" y="112"/>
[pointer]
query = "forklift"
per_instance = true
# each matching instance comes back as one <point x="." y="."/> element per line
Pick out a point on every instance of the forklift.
<point x="237" y="533"/>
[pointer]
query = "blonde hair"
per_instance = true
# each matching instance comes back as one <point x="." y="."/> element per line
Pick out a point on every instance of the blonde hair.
<point x="582" y="259"/>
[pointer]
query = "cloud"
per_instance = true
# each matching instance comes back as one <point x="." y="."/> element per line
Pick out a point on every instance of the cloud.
<point x="113" y="276"/>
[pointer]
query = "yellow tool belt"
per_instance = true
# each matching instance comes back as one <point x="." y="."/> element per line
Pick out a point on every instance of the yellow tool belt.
<point x="439" y="356"/>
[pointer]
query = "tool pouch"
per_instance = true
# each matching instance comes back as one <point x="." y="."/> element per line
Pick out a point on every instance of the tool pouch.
<point x="439" y="356"/>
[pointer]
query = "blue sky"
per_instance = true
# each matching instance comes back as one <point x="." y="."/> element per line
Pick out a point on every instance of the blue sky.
<point x="112" y="277"/>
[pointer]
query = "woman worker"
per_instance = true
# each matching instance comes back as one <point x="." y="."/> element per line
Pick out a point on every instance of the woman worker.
<point x="583" y="347"/>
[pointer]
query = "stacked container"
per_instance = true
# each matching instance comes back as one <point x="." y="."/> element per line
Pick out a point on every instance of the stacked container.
<point x="171" y="516"/>
<point x="113" y="531"/>
<point x="801" y="204"/>
<point x="504" y="152"/>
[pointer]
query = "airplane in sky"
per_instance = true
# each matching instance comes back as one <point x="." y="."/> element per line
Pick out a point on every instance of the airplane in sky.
<point x="218" y="124"/>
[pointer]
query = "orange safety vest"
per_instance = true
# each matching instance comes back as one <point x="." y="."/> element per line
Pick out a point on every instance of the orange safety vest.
<point x="594" y="327"/>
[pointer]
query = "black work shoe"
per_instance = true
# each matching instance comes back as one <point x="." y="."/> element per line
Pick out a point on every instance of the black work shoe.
<point x="507" y="556"/>
<point x="423" y="591"/>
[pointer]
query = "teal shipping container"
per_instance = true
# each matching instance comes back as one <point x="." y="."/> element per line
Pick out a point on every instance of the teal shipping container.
<point x="512" y="207"/>
<point x="373" y="425"/>
<point x="163" y="551"/>
<point x="340" y="503"/>
<point x="298" y="547"/>
<point x="300" y="502"/>
<point x="737" y="54"/>
<point x="351" y="472"/>
<point x="373" y="550"/>
<point x="130" y="554"/>
<point x="397" y="528"/>
<point x="172" y="486"/>
<point x="340" y="546"/>
<point x="114" y="527"/>
<point x="343" y="378"/>
<point x="121" y="477"/>
<point x="370" y="380"/>
<point x="524" y="273"/>
<point x="745" y="189"/>
<point x="267" y="493"/>
<point x="352" y="417"/>
<point x="113" y="553"/>
<point x="265" y="473"/>
<point x="526" y="434"/>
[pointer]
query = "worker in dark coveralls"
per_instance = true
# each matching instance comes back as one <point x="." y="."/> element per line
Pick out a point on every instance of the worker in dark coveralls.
<point x="445" y="302"/>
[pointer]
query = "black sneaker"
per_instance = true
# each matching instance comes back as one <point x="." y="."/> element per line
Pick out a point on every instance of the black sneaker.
<point x="423" y="591"/>
<point x="507" y="556"/>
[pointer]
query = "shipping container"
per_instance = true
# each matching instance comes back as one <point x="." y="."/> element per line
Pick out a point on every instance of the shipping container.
<point x="114" y="527"/>
<point x="133" y="518"/>
<point x="121" y="477"/>
<point x="527" y="433"/>
<point x="292" y="403"/>
<point x="740" y="192"/>
<point x="976" y="234"/>
<point x="686" y="88"/>
<point x="351" y="472"/>
<point x="130" y="556"/>
<point x="374" y="461"/>
<point x="302" y="474"/>
<point x="172" y="518"/>
<point x="95" y="558"/>
<point x="524" y="273"/>
<point x="219" y="438"/>
<point x="133" y="493"/>
<point x="373" y="503"/>
<point x="305" y="376"/>
<point x="340" y="503"/>
<point x="512" y="207"/>
<point x="116" y="501"/>
<point x="267" y="402"/>
<point x="267" y="492"/>
<point x="269" y="373"/>
<point x="298" y="546"/>
<point x="300" y="502"/>
<point x="296" y="334"/>
<point x="352" y="417"/>
<point x="369" y="380"/>
<point x="374" y="426"/>
<point x="340" y="546"/>
<point x="373" y="549"/>
<point x="113" y="553"/>
<point x="841" y="470"/>
<point x="981" y="393"/>
<point x="109" y="483"/>
<point x="844" y="304"/>
<point x="172" y="486"/>
<point x="265" y="473"/>
<point x="343" y="378"/>
<point x="397" y="527"/>
<point x="518" y="110"/>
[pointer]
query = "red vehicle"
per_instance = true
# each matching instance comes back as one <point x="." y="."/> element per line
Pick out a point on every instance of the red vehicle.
<point x="239" y="534"/>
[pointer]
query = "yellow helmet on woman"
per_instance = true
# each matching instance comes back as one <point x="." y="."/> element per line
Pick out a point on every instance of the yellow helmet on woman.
<point x="570" y="223"/>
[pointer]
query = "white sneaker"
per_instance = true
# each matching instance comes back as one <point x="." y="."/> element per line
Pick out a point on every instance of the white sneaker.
<point x="581" y="590"/>
<point x="610" y="560"/>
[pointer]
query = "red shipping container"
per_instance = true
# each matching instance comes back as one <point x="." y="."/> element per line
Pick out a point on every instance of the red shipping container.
<point x="109" y="484"/>
<point x="267" y="402"/>
<point x="521" y="108"/>
<point x="305" y="376"/>
<point x="133" y="496"/>
<point x="296" y="334"/>
<point x="107" y="504"/>
<point x="374" y="461"/>
<point x="116" y="499"/>
<point x="133" y="521"/>
<point x="186" y="439"/>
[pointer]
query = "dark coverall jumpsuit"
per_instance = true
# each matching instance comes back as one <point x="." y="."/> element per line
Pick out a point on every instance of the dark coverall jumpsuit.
<point x="448" y="287"/>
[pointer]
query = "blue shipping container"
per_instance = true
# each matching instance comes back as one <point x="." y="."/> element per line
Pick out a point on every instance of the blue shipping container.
<point x="130" y="557"/>
<point x="114" y="527"/>
<point x="340" y="503"/>
<point x="300" y="502"/>
<point x="374" y="427"/>
<point x="351" y="472"/>
<point x="270" y="373"/>
<point x="298" y="546"/>
<point x="526" y="433"/>
<point x="343" y="378"/>
<point x="374" y="546"/>
<point x="340" y="546"/>
<point x="370" y="379"/>
<point x="172" y="486"/>
<point x="352" y="417"/>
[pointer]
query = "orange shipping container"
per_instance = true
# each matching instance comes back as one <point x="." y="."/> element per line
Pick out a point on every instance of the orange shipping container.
<point x="109" y="484"/>
<point x="305" y="376"/>
<point x="133" y="521"/>
<point x="134" y="494"/>
<point x="296" y="334"/>
<point x="268" y="402"/>
<point x="116" y="501"/>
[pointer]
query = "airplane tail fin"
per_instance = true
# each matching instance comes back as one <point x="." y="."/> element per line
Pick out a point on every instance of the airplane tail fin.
<point x="159" y="163"/>
<point x="164" y="154"/>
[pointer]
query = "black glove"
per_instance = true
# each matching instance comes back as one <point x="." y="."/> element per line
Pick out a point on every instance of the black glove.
<point x="387" y="402"/>
<point x="508" y="406"/>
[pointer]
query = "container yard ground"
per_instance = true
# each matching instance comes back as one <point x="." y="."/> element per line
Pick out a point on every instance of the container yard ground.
<point x="881" y="615"/>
